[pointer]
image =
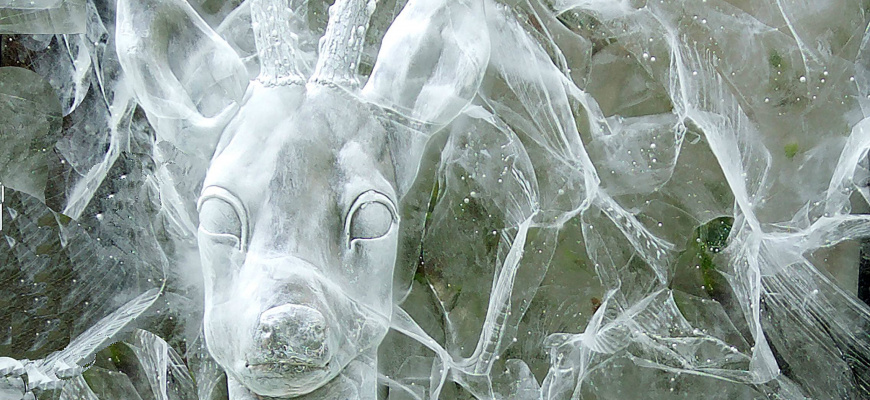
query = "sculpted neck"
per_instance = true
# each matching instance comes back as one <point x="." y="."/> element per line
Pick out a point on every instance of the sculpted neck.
<point x="357" y="381"/>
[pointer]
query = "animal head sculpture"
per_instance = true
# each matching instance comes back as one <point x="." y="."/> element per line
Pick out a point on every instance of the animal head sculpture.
<point x="299" y="208"/>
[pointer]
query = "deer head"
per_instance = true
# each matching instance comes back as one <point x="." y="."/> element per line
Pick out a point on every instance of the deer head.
<point x="298" y="214"/>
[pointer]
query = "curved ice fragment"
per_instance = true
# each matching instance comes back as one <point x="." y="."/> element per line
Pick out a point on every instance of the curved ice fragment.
<point x="166" y="68"/>
<point x="82" y="348"/>
<point x="11" y="367"/>
<point x="432" y="60"/>
<point x="31" y="115"/>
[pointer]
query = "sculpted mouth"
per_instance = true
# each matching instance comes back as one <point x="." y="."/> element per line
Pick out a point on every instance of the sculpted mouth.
<point x="290" y="360"/>
<point x="285" y="359"/>
<point x="287" y="369"/>
<point x="284" y="367"/>
<point x="284" y="378"/>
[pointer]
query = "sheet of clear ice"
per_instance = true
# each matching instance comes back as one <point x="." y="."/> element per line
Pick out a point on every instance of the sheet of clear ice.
<point x="615" y="199"/>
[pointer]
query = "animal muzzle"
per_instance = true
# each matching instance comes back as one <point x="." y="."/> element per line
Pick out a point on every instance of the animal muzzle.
<point x="288" y="328"/>
<point x="292" y="335"/>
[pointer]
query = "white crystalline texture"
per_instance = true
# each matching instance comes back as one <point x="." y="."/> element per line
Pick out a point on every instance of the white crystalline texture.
<point x="434" y="199"/>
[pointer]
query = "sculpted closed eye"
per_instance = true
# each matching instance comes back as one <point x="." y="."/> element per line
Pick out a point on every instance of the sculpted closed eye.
<point x="222" y="214"/>
<point x="371" y="220"/>
<point x="372" y="216"/>
<point x="218" y="217"/>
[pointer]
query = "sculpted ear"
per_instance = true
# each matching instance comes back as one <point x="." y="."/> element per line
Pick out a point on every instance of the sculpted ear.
<point x="432" y="60"/>
<point x="185" y="76"/>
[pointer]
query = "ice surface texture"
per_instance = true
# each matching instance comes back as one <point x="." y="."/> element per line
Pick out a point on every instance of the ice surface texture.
<point x="434" y="199"/>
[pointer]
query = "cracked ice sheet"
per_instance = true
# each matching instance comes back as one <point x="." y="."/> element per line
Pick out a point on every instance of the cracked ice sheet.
<point x="702" y="87"/>
<point x="630" y="252"/>
<point x="660" y="267"/>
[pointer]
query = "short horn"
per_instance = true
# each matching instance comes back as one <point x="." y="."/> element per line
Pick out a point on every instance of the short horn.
<point x="275" y="23"/>
<point x="341" y="46"/>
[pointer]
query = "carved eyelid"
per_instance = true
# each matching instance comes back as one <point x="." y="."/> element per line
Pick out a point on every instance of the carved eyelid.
<point x="365" y="198"/>
<point x="233" y="200"/>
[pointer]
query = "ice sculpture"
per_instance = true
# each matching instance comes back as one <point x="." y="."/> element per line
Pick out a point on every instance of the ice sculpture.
<point x="434" y="199"/>
<point x="298" y="220"/>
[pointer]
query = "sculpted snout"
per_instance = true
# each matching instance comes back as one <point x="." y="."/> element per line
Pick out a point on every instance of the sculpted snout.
<point x="291" y="341"/>
<point x="293" y="334"/>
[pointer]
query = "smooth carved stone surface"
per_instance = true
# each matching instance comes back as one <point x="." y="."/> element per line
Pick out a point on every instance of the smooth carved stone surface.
<point x="434" y="199"/>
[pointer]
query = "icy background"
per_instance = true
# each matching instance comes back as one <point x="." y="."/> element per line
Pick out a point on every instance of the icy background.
<point x="648" y="199"/>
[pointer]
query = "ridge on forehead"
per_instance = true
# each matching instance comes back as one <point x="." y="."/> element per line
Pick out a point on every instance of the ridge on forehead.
<point x="312" y="134"/>
<point x="329" y="109"/>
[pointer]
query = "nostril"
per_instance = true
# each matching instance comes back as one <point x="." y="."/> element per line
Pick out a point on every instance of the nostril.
<point x="294" y="333"/>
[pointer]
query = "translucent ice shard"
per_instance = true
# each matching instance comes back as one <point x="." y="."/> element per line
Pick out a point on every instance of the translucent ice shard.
<point x="21" y="4"/>
<point x="180" y="100"/>
<point x="31" y="114"/>
<point x="431" y="60"/>
<point x="43" y="16"/>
